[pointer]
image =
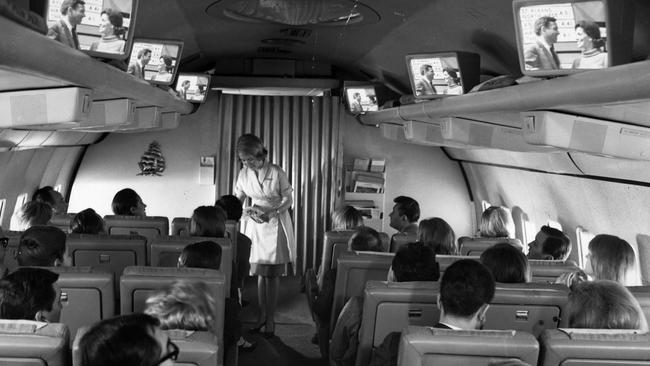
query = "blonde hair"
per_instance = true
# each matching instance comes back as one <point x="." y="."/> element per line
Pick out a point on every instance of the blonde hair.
<point x="496" y="222"/>
<point x="612" y="258"/>
<point x="436" y="233"/>
<point x="346" y="218"/>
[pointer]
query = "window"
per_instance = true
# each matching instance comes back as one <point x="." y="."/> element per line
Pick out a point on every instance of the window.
<point x="584" y="237"/>
<point x="2" y="210"/>
<point x="16" y="223"/>
<point x="57" y="188"/>
<point x="530" y="231"/>
<point x="485" y="204"/>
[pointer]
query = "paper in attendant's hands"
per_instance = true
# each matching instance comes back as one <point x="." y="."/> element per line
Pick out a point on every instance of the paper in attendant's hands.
<point x="256" y="214"/>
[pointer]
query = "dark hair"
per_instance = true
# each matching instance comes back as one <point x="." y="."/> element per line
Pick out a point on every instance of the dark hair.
<point x="45" y="194"/>
<point x="415" y="262"/>
<point x="409" y="207"/>
<point x="507" y="263"/>
<point x="465" y="286"/>
<point x="542" y="22"/>
<point x="117" y="20"/>
<point x="437" y="234"/>
<point x="36" y="213"/>
<point x="204" y="254"/>
<point x="251" y="145"/>
<point x="124" y="340"/>
<point x="557" y="244"/>
<point x="70" y="4"/>
<point x="167" y="61"/>
<point x="593" y="31"/>
<point x="87" y="222"/>
<point x="208" y="221"/>
<point x="124" y="200"/>
<point x="41" y="246"/>
<point x="452" y="74"/>
<point x="231" y="205"/>
<point x="424" y="68"/>
<point x="365" y="239"/>
<point x="143" y="52"/>
<point x="25" y="292"/>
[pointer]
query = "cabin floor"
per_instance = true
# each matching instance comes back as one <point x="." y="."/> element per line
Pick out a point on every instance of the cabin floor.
<point x="294" y="328"/>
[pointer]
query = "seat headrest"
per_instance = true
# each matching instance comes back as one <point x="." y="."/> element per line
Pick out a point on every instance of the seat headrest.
<point x="20" y="326"/>
<point x="169" y="271"/>
<point x="136" y="218"/>
<point x="606" y="334"/>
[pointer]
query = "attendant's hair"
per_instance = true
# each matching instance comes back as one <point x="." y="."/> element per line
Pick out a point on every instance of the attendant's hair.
<point x="36" y="213"/>
<point x="123" y="340"/>
<point x="87" y="222"/>
<point x="346" y="218"/>
<point x="117" y="21"/>
<point x="437" y="234"/>
<point x="250" y="144"/>
<point x="409" y="207"/>
<point x="25" y="292"/>
<point x="204" y="254"/>
<point x="542" y="22"/>
<point x="593" y="31"/>
<point x="557" y="244"/>
<point x="208" y="221"/>
<point x="143" y="52"/>
<point x="41" y="246"/>
<point x="231" y="205"/>
<point x="507" y="263"/>
<point x="70" y="4"/>
<point x="415" y="262"/>
<point x="365" y="239"/>
<point x="496" y="222"/>
<point x="184" y="305"/>
<point x="466" y="286"/>
<point x="124" y="200"/>
<point x="604" y="305"/>
<point x="612" y="258"/>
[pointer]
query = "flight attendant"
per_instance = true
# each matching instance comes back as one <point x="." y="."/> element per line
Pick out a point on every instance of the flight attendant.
<point x="267" y="223"/>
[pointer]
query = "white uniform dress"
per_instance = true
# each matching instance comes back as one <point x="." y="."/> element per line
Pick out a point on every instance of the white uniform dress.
<point x="273" y="241"/>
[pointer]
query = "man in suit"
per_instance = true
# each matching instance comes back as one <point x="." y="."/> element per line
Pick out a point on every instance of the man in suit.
<point x="541" y="55"/>
<point x="182" y="91"/>
<point x="355" y="106"/>
<point x="137" y="68"/>
<point x="424" y="85"/>
<point x="65" y="30"/>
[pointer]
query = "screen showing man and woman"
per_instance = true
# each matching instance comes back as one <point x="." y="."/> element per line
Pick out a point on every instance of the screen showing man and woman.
<point x="361" y="99"/>
<point x="434" y="76"/>
<point x="155" y="60"/>
<point x="99" y="27"/>
<point x="192" y="87"/>
<point x="561" y="36"/>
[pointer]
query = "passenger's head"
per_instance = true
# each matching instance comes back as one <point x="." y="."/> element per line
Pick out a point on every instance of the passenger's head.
<point x="588" y="35"/>
<point x="111" y="23"/>
<point x="127" y="202"/>
<point x="30" y="294"/>
<point x="184" y="305"/>
<point x="35" y="213"/>
<point x="134" y="339"/>
<point x="346" y="218"/>
<point x="437" y="234"/>
<point x="48" y="195"/>
<point x="365" y="239"/>
<point x="231" y="205"/>
<point x="546" y="27"/>
<point x="144" y="55"/>
<point x="42" y="246"/>
<point x="208" y="221"/>
<point x="549" y="244"/>
<point x="415" y="262"/>
<point x="251" y="151"/>
<point x="507" y="263"/>
<point x="405" y="212"/>
<point x="87" y="222"/>
<point x="604" y="305"/>
<point x="611" y="258"/>
<point x="426" y="70"/>
<point x="205" y="254"/>
<point x="466" y="289"/>
<point x="75" y="10"/>
<point x="496" y="222"/>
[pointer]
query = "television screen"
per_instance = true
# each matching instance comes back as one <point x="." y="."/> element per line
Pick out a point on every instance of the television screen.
<point x="101" y="28"/>
<point x="442" y="74"/>
<point x="558" y="37"/>
<point x="361" y="98"/>
<point x="155" y="60"/>
<point x="193" y="87"/>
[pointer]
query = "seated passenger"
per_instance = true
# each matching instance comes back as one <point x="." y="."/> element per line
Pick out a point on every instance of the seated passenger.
<point x="134" y="339"/>
<point x="208" y="221"/>
<point x="496" y="222"/>
<point x="506" y="263"/>
<point x="604" y="305"/>
<point x="35" y="213"/>
<point x="53" y="198"/>
<point x="30" y="294"/>
<point x="436" y="233"/>
<point x="412" y="262"/>
<point x="346" y="218"/>
<point x="405" y="215"/>
<point x="42" y="246"/>
<point x="128" y="203"/>
<point x="549" y="244"/>
<point x="466" y="289"/>
<point x="87" y="222"/>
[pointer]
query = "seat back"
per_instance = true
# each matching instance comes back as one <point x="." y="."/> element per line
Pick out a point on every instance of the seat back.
<point x="148" y="226"/>
<point x="529" y="307"/>
<point x="12" y="248"/>
<point x="597" y="347"/>
<point x="181" y="226"/>
<point x="548" y="271"/>
<point x="62" y="221"/>
<point x="444" y="261"/>
<point x="29" y="343"/>
<point x="165" y="250"/>
<point x="391" y="307"/>
<point x="400" y="239"/>
<point x="196" y="348"/>
<point x="353" y="271"/>
<point x="476" y="246"/>
<point x="431" y="346"/>
<point x="642" y="294"/>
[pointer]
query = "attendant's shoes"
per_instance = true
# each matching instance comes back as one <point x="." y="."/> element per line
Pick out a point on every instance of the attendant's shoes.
<point x="257" y="329"/>
<point x="246" y="346"/>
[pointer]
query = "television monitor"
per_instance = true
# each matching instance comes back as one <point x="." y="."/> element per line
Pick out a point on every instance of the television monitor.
<point x="193" y="87"/>
<point x="559" y="37"/>
<point x="105" y="29"/>
<point x="435" y="75"/>
<point x="155" y="60"/>
<point x="361" y="97"/>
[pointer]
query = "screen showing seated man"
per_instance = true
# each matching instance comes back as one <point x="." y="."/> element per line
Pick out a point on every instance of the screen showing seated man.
<point x="361" y="99"/>
<point x="193" y="87"/>
<point x="432" y="76"/>
<point x="154" y="61"/>
<point x="563" y="36"/>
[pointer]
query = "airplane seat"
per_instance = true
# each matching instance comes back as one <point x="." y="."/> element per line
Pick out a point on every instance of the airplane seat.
<point x="642" y="295"/>
<point x="10" y="262"/>
<point x="432" y="346"/>
<point x="392" y="306"/>
<point x="529" y="307"/>
<point x="148" y="226"/>
<point x="444" y="261"/>
<point x="476" y="246"/>
<point x="594" y="347"/>
<point x="548" y="271"/>
<point x="334" y="241"/>
<point x="399" y="240"/>
<point x="62" y="221"/>
<point x="181" y="226"/>
<point x="232" y="229"/>
<point x="31" y="343"/>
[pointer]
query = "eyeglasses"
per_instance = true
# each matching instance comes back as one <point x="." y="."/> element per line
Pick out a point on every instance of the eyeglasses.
<point x="172" y="352"/>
